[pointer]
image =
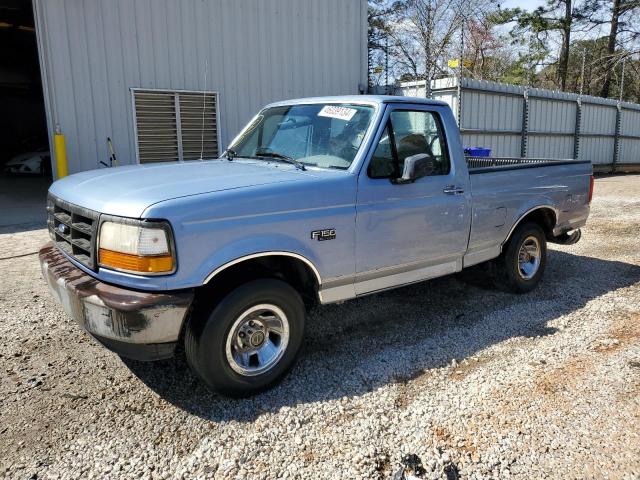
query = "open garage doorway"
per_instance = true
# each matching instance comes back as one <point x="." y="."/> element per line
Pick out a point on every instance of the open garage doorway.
<point x="25" y="159"/>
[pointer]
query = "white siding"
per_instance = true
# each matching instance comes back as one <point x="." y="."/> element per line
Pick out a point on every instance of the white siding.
<point x="488" y="111"/>
<point x="502" y="145"/>
<point x="597" y="149"/>
<point x="552" y="116"/>
<point x="253" y="52"/>
<point x="630" y="147"/>
<point x="630" y="150"/>
<point x="598" y="119"/>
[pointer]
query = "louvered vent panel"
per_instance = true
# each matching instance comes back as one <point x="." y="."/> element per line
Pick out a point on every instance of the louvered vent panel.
<point x="198" y="125"/>
<point x="175" y="126"/>
<point x="156" y="126"/>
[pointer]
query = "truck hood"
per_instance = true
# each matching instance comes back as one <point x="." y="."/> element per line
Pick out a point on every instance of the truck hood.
<point x="129" y="191"/>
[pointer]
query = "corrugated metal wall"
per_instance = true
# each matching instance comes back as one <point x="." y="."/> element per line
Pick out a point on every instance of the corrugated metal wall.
<point x="630" y="136"/>
<point x="252" y="52"/>
<point x="536" y="123"/>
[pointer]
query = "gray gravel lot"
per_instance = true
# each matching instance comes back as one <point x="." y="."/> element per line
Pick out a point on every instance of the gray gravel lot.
<point x="475" y="382"/>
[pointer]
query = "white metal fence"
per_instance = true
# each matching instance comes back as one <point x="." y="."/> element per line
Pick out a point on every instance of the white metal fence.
<point x="537" y="123"/>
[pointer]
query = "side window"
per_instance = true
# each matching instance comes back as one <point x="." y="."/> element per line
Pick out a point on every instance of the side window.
<point x="382" y="164"/>
<point x="413" y="132"/>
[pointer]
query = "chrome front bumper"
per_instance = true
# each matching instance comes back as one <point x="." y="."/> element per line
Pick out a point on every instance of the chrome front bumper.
<point x="139" y="325"/>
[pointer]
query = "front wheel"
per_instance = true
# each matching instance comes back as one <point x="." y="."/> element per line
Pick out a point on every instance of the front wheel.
<point x="249" y="340"/>
<point x="522" y="263"/>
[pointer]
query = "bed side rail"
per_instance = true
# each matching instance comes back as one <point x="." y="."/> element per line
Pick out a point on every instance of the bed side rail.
<point x="480" y="164"/>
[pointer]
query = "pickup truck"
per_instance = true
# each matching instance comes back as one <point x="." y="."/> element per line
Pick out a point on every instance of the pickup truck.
<point x="316" y="200"/>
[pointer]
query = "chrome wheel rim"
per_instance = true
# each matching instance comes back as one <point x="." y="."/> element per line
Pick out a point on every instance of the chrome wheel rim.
<point x="257" y="340"/>
<point x="529" y="257"/>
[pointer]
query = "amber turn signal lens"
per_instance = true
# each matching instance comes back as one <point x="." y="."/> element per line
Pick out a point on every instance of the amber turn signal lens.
<point x="135" y="263"/>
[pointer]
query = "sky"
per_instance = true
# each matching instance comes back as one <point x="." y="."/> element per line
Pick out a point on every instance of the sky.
<point x="524" y="4"/>
<point x="533" y="4"/>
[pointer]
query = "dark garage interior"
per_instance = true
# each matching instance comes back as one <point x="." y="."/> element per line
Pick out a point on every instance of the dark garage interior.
<point x="25" y="160"/>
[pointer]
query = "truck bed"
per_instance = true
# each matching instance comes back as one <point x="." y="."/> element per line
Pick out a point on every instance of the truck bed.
<point x="509" y="188"/>
<point x="493" y="164"/>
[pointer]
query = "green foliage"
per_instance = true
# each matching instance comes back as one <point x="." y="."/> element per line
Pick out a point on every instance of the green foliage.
<point x="541" y="48"/>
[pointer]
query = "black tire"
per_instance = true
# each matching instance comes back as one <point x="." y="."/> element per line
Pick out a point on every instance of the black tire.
<point x="507" y="272"/>
<point x="208" y="330"/>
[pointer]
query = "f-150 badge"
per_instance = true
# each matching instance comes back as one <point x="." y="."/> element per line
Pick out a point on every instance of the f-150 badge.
<point x="322" y="235"/>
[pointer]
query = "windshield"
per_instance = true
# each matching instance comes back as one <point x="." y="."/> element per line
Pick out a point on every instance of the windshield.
<point x="321" y="135"/>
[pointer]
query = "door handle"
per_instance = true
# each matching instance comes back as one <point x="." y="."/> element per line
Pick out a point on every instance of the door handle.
<point x="453" y="190"/>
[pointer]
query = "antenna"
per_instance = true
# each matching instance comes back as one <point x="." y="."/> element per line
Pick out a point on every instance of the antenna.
<point x="204" y="107"/>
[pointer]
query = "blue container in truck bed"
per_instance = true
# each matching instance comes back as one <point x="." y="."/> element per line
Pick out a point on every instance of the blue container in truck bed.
<point x="477" y="152"/>
<point x="316" y="201"/>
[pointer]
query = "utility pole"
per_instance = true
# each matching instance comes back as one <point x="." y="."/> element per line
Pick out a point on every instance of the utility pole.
<point x="461" y="60"/>
<point x="427" y="51"/>
<point x="386" y="63"/>
<point x="531" y="64"/>
<point x="622" y="79"/>
<point x="584" y="57"/>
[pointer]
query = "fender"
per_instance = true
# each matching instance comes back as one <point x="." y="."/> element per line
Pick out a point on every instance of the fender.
<point x="246" y="248"/>
<point x="527" y="212"/>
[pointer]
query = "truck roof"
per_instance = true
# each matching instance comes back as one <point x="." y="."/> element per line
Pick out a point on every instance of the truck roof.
<point x="372" y="99"/>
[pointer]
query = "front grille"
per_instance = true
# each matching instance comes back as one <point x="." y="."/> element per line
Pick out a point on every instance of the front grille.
<point x="73" y="230"/>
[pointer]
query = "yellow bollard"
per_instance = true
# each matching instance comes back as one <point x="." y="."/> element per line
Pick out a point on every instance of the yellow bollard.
<point x="61" y="155"/>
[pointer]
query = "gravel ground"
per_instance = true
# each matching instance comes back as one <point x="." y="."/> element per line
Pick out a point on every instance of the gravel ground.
<point x="474" y="382"/>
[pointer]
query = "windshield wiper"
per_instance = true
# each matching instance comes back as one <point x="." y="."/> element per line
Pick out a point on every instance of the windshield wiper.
<point x="261" y="152"/>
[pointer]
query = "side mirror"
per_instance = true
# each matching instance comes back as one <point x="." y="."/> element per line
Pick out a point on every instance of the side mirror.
<point x="415" y="167"/>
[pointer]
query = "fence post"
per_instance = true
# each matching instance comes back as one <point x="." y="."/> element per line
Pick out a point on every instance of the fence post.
<point x="525" y="124"/>
<point x="576" y="137"/>
<point x="616" y="141"/>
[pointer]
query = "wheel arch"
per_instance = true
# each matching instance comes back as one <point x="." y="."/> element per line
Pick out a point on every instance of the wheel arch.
<point x="295" y="269"/>
<point x="544" y="215"/>
<point x="252" y="256"/>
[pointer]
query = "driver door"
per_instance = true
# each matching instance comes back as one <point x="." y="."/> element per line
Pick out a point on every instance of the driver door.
<point x="414" y="231"/>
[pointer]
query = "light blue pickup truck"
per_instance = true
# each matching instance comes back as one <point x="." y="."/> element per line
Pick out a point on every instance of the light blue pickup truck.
<point x="316" y="201"/>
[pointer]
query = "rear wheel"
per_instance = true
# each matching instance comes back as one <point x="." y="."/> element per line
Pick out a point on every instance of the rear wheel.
<point x="249" y="340"/>
<point x="523" y="260"/>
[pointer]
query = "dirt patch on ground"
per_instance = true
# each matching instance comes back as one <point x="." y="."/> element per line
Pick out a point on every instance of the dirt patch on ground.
<point x="627" y="329"/>
<point x="407" y="385"/>
<point x="613" y="229"/>
<point x="563" y="378"/>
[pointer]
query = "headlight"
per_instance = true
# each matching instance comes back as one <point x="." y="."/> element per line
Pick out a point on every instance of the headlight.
<point x="136" y="247"/>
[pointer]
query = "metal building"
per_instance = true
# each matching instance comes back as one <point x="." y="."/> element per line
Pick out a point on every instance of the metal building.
<point x="537" y="123"/>
<point x="148" y="73"/>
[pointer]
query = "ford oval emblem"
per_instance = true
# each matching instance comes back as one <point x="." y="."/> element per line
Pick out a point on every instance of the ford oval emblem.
<point x="62" y="228"/>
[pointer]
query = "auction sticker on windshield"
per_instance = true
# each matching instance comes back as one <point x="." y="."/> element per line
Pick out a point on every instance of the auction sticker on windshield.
<point x="334" y="111"/>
